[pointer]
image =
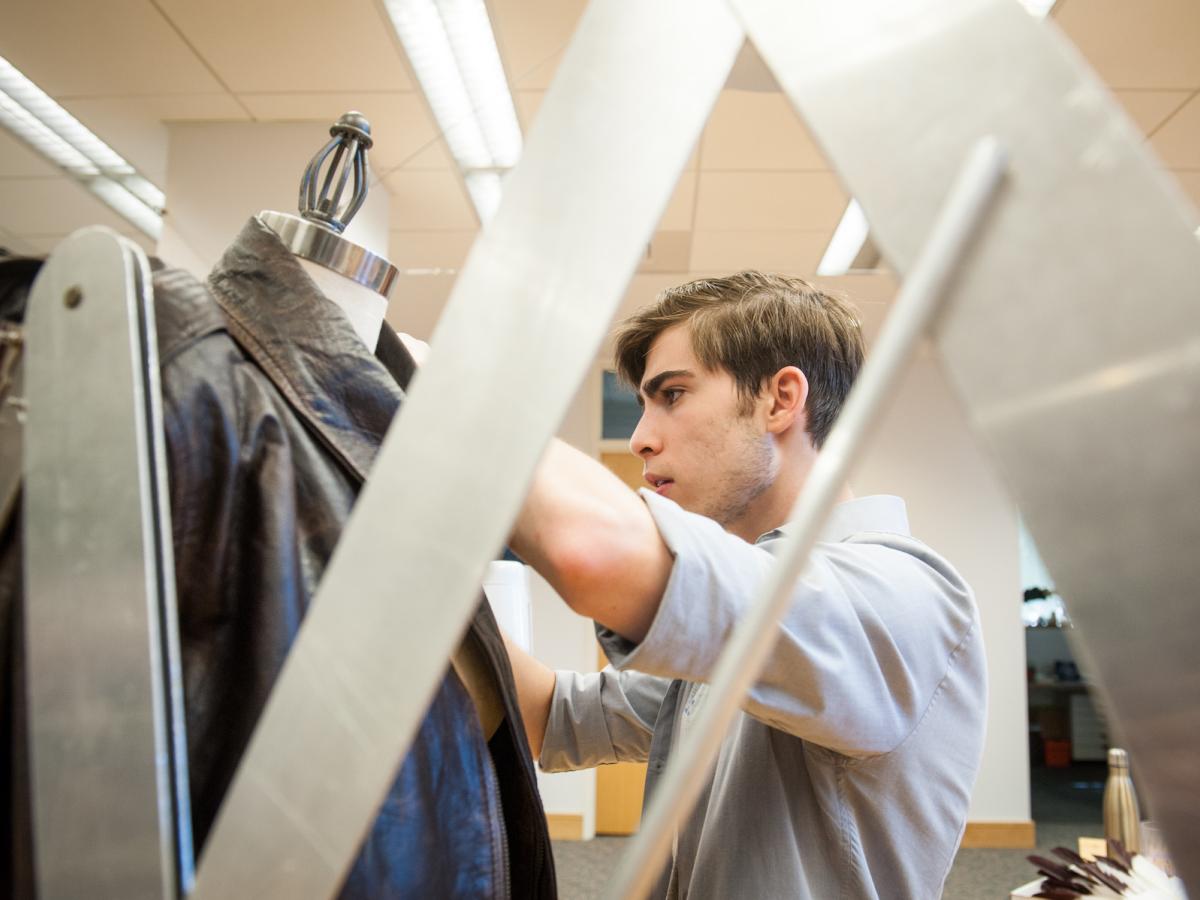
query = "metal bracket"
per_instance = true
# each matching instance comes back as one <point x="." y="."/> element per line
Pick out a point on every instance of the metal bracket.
<point x="108" y="750"/>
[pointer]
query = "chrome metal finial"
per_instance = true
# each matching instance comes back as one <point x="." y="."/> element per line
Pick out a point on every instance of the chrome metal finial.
<point x="350" y="140"/>
<point x="316" y="234"/>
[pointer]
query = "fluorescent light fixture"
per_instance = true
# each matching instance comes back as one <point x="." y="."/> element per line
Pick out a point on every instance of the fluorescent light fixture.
<point x="453" y="52"/>
<point x="847" y="242"/>
<point x="1038" y="8"/>
<point x="32" y="115"/>
<point x="485" y="190"/>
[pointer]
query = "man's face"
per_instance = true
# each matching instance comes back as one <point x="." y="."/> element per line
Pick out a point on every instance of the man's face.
<point x="699" y="448"/>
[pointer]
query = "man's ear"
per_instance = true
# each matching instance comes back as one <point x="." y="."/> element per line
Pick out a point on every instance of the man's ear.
<point x="788" y="393"/>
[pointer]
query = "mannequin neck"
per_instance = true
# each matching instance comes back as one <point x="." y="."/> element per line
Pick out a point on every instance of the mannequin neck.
<point x="363" y="307"/>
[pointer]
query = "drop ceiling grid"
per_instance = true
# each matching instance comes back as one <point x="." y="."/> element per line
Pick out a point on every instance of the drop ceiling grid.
<point x="281" y="46"/>
<point x="126" y="66"/>
<point x="1148" y="44"/>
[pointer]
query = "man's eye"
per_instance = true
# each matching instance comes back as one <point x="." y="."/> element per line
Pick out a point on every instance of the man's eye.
<point x="670" y="395"/>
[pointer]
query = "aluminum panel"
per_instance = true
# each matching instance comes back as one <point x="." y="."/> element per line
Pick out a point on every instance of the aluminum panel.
<point x="105" y="715"/>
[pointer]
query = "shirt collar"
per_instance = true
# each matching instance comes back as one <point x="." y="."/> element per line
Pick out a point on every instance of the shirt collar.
<point x="305" y="344"/>
<point x="877" y="513"/>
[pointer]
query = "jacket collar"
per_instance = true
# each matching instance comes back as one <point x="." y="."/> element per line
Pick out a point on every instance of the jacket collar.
<point x="876" y="513"/>
<point x="307" y="347"/>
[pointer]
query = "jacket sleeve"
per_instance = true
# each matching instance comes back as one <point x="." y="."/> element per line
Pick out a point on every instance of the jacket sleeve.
<point x="873" y="628"/>
<point x="601" y="717"/>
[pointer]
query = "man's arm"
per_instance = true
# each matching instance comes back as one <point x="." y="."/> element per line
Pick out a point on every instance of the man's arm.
<point x="535" y="690"/>
<point x="594" y="540"/>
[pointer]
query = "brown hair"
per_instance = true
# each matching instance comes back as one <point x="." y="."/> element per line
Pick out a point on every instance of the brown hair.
<point x="752" y="325"/>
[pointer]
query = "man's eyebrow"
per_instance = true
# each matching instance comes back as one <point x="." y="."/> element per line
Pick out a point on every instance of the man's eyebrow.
<point x="650" y="388"/>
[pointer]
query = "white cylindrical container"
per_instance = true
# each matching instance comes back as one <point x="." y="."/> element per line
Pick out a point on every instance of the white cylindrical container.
<point x="506" y="585"/>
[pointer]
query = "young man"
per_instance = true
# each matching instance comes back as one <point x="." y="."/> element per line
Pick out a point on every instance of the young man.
<point x="849" y="769"/>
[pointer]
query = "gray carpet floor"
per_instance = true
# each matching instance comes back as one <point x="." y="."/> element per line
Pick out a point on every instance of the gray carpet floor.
<point x="1066" y="805"/>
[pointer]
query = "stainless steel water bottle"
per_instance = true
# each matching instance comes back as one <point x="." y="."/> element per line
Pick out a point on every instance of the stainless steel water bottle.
<point x="1121" y="818"/>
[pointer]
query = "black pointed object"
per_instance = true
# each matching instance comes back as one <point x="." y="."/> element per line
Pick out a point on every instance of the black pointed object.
<point x="1069" y="855"/>
<point x="1053" y="893"/>
<point x="1104" y="878"/>
<point x="1116" y="864"/>
<point x="1061" y="872"/>
<point x="1117" y="849"/>
<point x="1053" y="881"/>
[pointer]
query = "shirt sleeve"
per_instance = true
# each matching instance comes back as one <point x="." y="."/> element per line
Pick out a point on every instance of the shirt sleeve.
<point x="601" y="717"/>
<point x="874" y="625"/>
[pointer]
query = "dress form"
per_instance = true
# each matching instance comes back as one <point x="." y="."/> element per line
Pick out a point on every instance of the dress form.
<point x="363" y="307"/>
<point x="352" y="277"/>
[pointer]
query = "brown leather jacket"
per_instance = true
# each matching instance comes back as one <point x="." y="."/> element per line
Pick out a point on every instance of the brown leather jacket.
<point x="273" y="413"/>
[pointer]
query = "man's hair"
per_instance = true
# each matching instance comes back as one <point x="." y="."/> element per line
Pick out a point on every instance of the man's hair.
<point x="752" y="325"/>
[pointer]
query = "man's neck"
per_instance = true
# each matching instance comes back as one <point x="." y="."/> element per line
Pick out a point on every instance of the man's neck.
<point x="363" y="307"/>
<point x="773" y="508"/>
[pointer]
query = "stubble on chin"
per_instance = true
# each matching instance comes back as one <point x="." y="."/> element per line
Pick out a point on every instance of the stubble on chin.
<point x="736" y="495"/>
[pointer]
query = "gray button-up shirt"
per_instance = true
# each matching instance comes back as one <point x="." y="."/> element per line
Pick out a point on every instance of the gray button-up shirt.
<point x="849" y="771"/>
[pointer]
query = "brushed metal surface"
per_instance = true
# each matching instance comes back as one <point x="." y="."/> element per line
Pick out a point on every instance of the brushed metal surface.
<point x="1073" y="337"/>
<point x="110" y="806"/>
<point x="521" y="328"/>
<point x="322" y="246"/>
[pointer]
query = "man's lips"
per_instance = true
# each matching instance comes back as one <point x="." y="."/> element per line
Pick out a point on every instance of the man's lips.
<point x="660" y="483"/>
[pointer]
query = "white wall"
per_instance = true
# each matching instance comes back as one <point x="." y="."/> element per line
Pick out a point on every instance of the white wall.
<point x="924" y="452"/>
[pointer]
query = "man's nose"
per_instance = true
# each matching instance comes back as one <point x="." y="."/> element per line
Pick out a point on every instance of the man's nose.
<point x="644" y="442"/>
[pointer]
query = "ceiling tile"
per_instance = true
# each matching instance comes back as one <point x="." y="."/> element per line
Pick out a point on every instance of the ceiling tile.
<point x="1149" y="109"/>
<point x="751" y="130"/>
<point x="678" y="214"/>
<point x="19" y="160"/>
<point x="668" y="251"/>
<point x="429" y="201"/>
<point x="434" y="155"/>
<point x="532" y="35"/>
<point x="1178" y="141"/>
<point x="789" y="252"/>
<point x="294" y="45"/>
<point x="429" y="249"/>
<point x="89" y="49"/>
<point x="762" y="201"/>
<point x="400" y="123"/>
<point x="133" y="126"/>
<point x="52" y="206"/>
<point x="860" y="289"/>
<point x="527" y="103"/>
<point x="1143" y="44"/>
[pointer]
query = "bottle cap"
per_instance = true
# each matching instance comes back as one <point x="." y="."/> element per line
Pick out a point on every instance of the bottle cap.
<point x="1118" y="757"/>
